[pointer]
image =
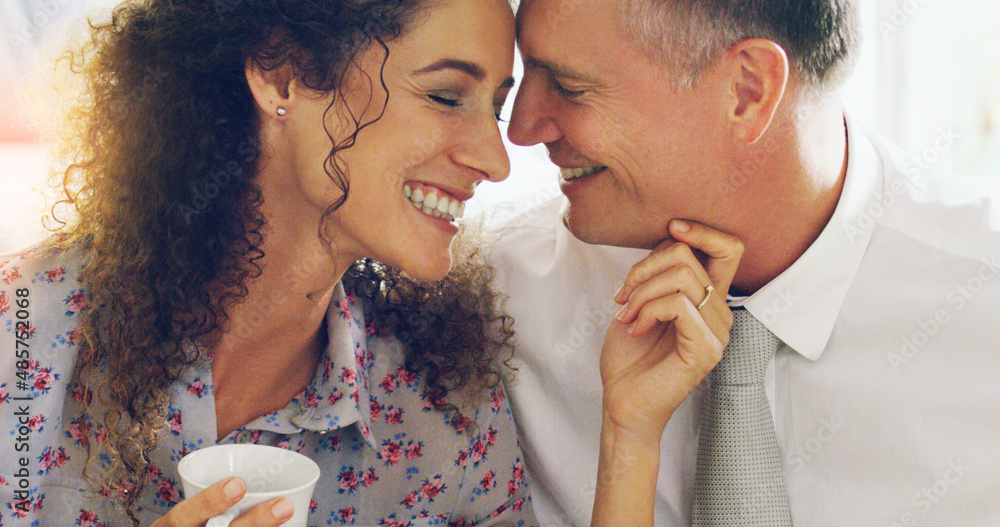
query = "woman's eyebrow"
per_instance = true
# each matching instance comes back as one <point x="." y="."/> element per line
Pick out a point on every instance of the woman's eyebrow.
<point x="470" y="68"/>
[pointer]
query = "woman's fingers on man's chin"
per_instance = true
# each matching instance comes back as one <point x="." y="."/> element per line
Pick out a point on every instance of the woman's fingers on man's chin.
<point x="724" y="251"/>
<point x="678" y="279"/>
<point x="664" y="258"/>
<point x="712" y="255"/>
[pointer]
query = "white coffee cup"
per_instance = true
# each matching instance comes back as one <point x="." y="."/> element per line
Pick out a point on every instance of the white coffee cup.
<point x="269" y="472"/>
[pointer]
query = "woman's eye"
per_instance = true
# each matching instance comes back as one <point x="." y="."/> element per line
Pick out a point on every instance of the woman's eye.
<point x="447" y="101"/>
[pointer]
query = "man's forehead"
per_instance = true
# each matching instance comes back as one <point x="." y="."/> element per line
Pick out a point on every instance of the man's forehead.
<point x="566" y="23"/>
<point x="564" y="14"/>
<point x="572" y="38"/>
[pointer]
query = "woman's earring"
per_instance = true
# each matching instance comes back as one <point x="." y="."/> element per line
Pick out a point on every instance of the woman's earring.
<point x="281" y="111"/>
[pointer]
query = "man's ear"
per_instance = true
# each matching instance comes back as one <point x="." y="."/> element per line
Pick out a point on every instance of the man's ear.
<point x="271" y="88"/>
<point x="758" y="70"/>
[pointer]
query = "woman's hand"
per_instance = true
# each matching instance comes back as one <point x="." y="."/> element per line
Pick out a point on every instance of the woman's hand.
<point x="660" y="345"/>
<point x="657" y="350"/>
<point x="216" y="499"/>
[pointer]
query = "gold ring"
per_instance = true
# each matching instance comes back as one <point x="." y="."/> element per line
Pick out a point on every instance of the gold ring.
<point x="708" y="294"/>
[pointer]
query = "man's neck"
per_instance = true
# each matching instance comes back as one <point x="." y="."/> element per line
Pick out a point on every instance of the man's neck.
<point x="793" y="198"/>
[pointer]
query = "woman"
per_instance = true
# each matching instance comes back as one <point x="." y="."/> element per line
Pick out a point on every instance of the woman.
<point x="249" y="182"/>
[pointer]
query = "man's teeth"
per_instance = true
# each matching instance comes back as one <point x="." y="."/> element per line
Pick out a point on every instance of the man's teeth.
<point x="433" y="204"/>
<point x="573" y="173"/>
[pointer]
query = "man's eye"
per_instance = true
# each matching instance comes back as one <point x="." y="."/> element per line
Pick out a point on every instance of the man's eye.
<point x="564" y="91"/>
<point x="447" y="101"/>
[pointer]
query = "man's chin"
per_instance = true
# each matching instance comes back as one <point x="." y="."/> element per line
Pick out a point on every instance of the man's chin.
<point x="605" y="233"/>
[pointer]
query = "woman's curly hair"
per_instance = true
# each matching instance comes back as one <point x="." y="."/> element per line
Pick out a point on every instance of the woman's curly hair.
<point x="161" y="150"/>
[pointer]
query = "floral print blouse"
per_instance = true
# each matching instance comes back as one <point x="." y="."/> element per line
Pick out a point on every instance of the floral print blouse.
<point x="387" y="457"/>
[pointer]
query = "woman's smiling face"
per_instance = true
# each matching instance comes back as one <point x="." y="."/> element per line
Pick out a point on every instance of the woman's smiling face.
<point x="412" y="170"/>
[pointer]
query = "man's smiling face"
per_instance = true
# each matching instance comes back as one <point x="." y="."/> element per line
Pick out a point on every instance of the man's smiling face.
<point x="634" y="152"/>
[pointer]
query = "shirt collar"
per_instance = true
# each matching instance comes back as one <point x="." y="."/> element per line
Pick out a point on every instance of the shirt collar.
<point x="801" y="305"/>
<point x="338" y="396"/>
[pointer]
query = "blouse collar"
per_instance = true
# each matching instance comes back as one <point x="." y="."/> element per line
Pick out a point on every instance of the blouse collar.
<point x="338" y="396"/>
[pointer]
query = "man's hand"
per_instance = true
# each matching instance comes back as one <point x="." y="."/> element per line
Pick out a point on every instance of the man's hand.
<point x="660" y="345"/>
<point x="216" y="499"/>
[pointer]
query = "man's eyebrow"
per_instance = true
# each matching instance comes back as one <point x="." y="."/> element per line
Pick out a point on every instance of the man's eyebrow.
<point x="470" y="68"/>
<point x="557" y="70"/>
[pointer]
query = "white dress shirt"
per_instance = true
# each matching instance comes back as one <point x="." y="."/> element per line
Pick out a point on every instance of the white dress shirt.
<point x="885" y="392"/>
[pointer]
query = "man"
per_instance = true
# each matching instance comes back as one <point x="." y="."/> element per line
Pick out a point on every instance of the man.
<point x="880" y="279"/>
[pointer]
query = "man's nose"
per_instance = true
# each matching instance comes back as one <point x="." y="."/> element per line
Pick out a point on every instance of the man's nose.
<point x="532" y="121"/>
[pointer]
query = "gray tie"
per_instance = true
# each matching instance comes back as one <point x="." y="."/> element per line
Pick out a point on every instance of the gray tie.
<point x="739" y="479"/>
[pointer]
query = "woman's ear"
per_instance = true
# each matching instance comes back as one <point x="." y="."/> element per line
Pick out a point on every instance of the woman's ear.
<point x="271" y="88"/>
<point x="758" y="71"/>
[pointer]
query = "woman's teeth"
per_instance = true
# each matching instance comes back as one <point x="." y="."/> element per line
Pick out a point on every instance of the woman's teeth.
<point x="573" y="173"/>
<point x="434" y="204"/>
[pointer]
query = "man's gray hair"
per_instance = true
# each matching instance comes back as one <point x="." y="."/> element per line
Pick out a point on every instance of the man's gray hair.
<point x="821" y="37"/>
